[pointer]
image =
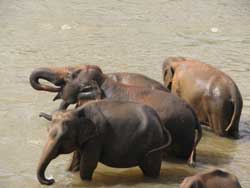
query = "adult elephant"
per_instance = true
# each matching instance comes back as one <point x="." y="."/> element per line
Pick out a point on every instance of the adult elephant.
<point x="211" y="179"/>
<point x="176" y="115"/>
<point x="212" y="94"/>
<point x="59" y="75"/>
<point x="117" y="134"/>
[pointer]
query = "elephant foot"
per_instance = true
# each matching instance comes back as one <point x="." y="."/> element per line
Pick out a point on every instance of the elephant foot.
<point x="234" y="135"/>
<point x="151" y="165"/>
<point x="192" y="158"/>
<point x="191" y="164"/>
<point x="75" y="162"/>
<point x="46" y="116"/>
<point x="87" y="176"/>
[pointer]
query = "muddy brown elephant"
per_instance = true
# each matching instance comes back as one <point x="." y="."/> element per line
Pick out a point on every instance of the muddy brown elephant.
<point x="211" y="179"/>
<point x="176" y="115"/>
<point x="117" y="134"/>
<point x="59" y="75"/>
<point x="214" y="96"/>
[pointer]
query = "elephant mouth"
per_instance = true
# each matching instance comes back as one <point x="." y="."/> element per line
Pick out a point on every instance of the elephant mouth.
<point x="87" y="88"/>
<point x="90" y="95"/>
<point x="89" y="91"/>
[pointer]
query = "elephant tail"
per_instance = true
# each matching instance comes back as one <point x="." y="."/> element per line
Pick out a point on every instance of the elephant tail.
<point x="237" y="103"/>
<point x="198" y="136"/>
<point x="167" y="144"/>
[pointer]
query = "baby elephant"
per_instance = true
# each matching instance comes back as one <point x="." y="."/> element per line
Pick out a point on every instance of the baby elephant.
<point x="212" y="179"/>
<point x="118" y="134"/>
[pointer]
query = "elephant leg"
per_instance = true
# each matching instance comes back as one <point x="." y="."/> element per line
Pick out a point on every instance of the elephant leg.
<point x="217" y="122"/>
<point x="234" y="130"/>
<point x="89" y="160"/>
<point x="221" y="114"/>
<point x="210" y="121"/>
<point x="151" y="165"/>
<point x="183" y="138"/>
<point x="192" y="158"/>
<point x="214" y="107"/>
<point x="75" y="162"/>
<point x="228" y="115"/>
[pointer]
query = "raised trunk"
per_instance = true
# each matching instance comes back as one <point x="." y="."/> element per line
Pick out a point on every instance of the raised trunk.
<point x="48" y="154"/>
<point x="52" y="75"/>
<point x="46" y="116"/>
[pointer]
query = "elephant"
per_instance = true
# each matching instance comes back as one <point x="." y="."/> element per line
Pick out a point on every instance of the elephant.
<point x="212" y="179"/>
<point x="117" y="134"/>
<point x="213" y="95"/>
<point x="59" y="75"/>
<point x="176" y="115"/>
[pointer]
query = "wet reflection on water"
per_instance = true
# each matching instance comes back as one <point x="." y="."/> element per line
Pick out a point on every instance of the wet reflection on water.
<point x="117" y="35"/>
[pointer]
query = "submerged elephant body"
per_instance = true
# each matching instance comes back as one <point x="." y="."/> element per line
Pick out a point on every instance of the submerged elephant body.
<point x="175" y="114"/>
<point x="101" y="133"/>
<point x="212" y="179"/>
<point x="136" y="79"/>
<point x="213" y="95"/>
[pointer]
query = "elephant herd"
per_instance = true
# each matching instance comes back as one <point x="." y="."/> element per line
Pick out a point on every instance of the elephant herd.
<point x="127" y="119"/>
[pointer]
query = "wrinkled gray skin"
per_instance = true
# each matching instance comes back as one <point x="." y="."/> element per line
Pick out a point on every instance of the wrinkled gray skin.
<point x="102" y="133"/>
<point x="212" y="179"/>
<point x="176" y="115"/>
<point x="213" y="95"/>
<point x="58" y="77"/>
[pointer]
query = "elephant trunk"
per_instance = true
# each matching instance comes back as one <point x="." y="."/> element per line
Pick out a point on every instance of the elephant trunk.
<point x="46" y="116"/>
<point x="50" y="75"/>
<point x="48" y="154"/>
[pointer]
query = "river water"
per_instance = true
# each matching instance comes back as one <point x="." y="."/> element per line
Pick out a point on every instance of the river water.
<point x="117" y="35"/>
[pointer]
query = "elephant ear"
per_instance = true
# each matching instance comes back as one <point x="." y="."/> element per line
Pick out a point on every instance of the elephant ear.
<point x="71" y="75"/>
<point x="67" y="77"/>
<point x="88" y="130"/>
<point x="75" y="73"/>
<point x="168" y="74"/>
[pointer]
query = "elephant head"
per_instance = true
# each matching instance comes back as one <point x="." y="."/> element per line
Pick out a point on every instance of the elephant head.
<point x="192" y="182"/>
<point x="168" y="70"/>
<point x="83" y="82"/>
<point x="58" y="76"/>
<point x="212" y="179"/>
<point x="68" y="131"/>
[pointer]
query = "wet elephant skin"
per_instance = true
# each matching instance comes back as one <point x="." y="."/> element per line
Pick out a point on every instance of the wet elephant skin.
<point x="100" y="132"/>
<point x="214" y="95"/>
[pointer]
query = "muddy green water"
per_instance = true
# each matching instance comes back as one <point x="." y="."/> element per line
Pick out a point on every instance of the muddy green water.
<point x="118" y="35"/>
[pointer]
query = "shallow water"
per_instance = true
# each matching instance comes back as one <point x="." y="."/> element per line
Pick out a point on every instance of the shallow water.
<point x="118" y="35"/>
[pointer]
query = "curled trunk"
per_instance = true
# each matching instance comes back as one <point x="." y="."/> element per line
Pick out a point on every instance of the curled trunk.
<point x="51" y="75"/>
